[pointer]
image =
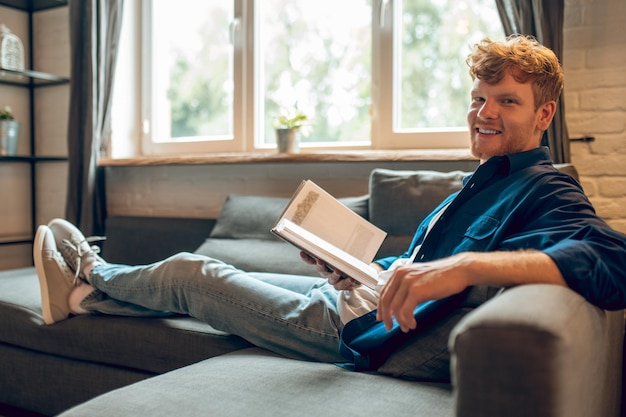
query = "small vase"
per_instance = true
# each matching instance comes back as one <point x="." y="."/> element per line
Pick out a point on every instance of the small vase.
<point x="9" y="135"/>
<point x="288" y="140"/>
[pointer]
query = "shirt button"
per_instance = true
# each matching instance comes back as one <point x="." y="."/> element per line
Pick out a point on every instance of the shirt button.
<point x="422" y="256"/>
<point x="472" y="185"/>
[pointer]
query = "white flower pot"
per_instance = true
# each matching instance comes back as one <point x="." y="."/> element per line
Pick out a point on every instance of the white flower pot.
<point x="9" y="135"/>
<point x="288" y="140"/>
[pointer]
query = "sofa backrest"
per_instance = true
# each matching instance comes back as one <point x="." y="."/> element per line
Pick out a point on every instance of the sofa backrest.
<point x="398" y="201"/>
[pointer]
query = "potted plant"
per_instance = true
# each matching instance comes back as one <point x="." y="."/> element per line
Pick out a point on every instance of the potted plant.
<point x="288" y="125"/>
<point x="9" y="132"/>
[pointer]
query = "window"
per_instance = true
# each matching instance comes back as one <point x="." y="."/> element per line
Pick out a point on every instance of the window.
<point x="424" y="82"/>
<point x="371" y="73"/>
<point x="190" y="87"/>
<point x="315" y="58"/>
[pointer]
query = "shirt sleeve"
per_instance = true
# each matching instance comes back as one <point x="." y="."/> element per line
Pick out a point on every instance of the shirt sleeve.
<point x="592" y="264"/>
<point x="590" y="255"/>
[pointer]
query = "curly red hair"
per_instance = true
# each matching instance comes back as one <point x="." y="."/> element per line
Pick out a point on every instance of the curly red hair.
<point x="525" y="58"/>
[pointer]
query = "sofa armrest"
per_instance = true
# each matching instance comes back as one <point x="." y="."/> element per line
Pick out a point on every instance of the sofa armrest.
<point x="537" y="350"/>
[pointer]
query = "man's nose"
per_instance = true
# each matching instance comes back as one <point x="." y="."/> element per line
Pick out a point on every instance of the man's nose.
<point x="488" y="110"/>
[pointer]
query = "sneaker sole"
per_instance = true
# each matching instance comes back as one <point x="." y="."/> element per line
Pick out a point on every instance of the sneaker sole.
<point x="43" y="283"/>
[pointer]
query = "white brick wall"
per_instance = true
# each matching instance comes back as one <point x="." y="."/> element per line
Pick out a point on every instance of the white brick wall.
<point x="595" y="99"/>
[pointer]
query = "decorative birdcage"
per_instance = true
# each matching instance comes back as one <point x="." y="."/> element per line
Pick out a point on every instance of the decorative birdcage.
<point x="11" y="50"/>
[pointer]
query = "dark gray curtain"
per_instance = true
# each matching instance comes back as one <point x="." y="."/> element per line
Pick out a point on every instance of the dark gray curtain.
<point x="94" y="35"/>
<point x="544" y="20"/>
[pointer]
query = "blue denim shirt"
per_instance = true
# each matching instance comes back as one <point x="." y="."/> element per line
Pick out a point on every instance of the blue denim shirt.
<point x="520" y="201"/>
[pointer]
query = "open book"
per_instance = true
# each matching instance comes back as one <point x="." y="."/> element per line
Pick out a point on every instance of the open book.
<point x="323" y="227"/>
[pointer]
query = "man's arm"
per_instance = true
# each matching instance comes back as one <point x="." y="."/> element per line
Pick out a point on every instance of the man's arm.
<point x="419" y="282"/>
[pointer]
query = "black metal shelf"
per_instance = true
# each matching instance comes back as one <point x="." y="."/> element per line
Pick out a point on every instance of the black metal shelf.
<point x="32" y="158"/>
<point x="29" y="78"/>
<point x="24" y="241"/>
<point x="33" y="5"/>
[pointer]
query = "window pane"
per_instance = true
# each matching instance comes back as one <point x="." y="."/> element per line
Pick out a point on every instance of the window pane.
<point x="435" y="38"/>
<point x="317" y="54"/>
<point x="192" y="74"/>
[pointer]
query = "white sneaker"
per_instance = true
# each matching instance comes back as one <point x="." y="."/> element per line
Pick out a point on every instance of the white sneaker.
<point x="56" y="280"/>
<point x="74" y="246"/>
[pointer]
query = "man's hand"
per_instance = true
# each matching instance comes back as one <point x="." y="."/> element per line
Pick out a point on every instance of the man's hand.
<point x="416" y="283"/>
<point x="336" y="278"/>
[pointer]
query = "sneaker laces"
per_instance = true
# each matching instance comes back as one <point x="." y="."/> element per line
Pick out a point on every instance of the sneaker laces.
<point x="80" y="252"/>
<point x="67" y="271"/>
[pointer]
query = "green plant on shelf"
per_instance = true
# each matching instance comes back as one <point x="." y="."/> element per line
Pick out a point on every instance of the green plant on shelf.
<point x="6" y="114"/>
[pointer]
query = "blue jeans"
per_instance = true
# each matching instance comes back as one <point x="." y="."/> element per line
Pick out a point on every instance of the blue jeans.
<point x="291" y="315"/>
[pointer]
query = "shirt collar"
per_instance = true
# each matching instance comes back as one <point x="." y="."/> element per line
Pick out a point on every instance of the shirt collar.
<point x="508" y="164"/>
<point x="521" y="160"/>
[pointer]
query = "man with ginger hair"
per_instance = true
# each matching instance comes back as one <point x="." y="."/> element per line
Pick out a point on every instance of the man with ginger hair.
<point x="517" y="220"/>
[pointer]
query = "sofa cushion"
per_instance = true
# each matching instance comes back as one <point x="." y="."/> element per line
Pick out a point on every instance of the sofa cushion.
<point x="248" y="217"/>
<point x="257" y="255"/>
<point x="400" y="200"/>
<point x="253" y="382"/>
<point x="152" y="345"/>
<point x="252" y="217"/>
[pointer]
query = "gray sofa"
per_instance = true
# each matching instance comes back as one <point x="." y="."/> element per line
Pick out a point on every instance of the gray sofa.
<point x="535" y="350"/>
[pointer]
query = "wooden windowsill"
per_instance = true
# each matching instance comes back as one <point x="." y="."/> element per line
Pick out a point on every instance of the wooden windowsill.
<point x="327" y="156"/>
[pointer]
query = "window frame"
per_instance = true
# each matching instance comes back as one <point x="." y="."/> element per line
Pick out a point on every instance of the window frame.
<point x="385" y="131"/>
<point x="246" y="63"/>
<point x="235" y="143"/>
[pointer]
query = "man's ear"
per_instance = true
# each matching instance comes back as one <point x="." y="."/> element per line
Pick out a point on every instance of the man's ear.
<point x="545" y="114"/>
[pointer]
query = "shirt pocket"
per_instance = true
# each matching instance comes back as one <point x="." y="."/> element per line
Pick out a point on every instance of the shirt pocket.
<point x="478" y="233"/>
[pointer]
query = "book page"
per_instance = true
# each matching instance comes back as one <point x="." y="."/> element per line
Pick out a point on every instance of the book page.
<point x="333" y="256"/>
<point x="315" y="210"/>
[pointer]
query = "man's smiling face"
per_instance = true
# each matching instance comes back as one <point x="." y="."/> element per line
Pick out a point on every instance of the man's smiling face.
<point x="502" y="118"/>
